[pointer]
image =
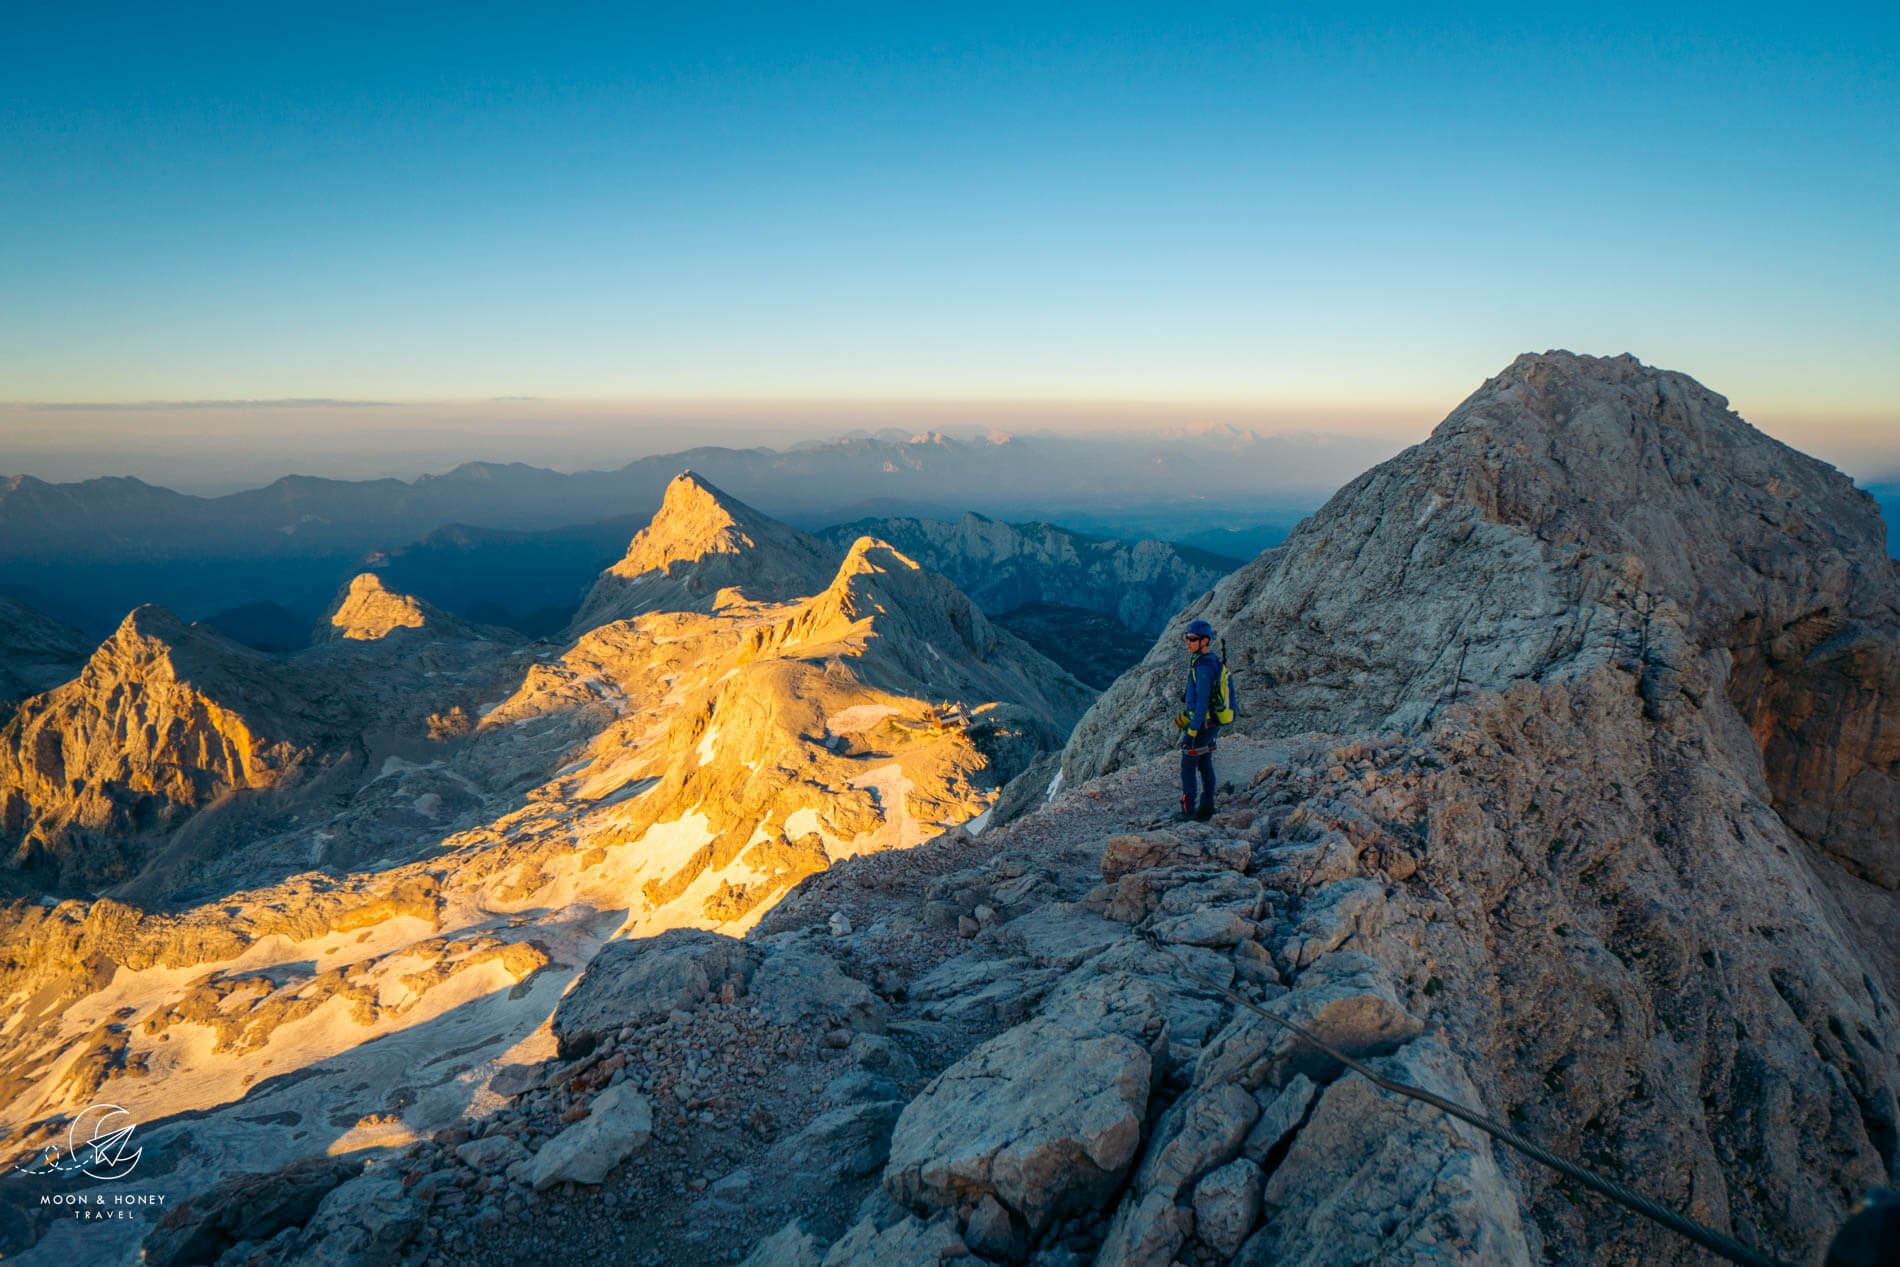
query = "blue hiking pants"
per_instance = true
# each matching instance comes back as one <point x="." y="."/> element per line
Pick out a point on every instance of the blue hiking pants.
<point x="1197" y="766"/>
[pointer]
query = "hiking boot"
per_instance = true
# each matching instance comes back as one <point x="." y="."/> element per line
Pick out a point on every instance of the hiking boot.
<point x="1202" y="814"/>
<point x="1184" y="816"/>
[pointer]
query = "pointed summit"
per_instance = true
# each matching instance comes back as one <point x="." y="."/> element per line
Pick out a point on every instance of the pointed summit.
<point x="702" y="542"/>
<point x="164" y="718"/>
<point x="366" y="609"/>
<point x="913" y="631"/>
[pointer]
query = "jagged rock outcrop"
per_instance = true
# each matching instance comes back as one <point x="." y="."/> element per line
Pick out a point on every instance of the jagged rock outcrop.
<point x="705" y="550"/>
<point x="1006" y="566"/>
<point x="163" y="719"/>
<point x="1577" y="512"/>
<point x="36" y="652"/>
<point x="366" y="610"/>
<point x="877" y="712"/>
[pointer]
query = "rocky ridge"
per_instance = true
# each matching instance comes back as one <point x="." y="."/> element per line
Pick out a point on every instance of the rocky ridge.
<point x="1005" y="566"/>
<point x="1575" y="513"/>
<point x="1570" y="902"/>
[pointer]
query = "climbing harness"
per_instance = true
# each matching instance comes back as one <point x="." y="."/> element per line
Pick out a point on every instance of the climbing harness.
<point x="1710" y="1239"/>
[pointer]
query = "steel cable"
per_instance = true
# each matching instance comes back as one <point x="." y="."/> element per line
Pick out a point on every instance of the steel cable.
<point x="1710" y="1239"/>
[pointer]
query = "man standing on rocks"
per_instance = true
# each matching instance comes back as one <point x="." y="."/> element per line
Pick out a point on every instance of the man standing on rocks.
<point x="1198" y="724"/>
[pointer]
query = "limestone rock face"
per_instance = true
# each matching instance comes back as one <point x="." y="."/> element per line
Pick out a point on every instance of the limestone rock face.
<point x="246" y="1207"/>
<point x="704" y="550"/>
<point x="1372" y="1179"/>
<point x="367" y="1222"/>
<point x="163" y="719"/>
<point x="1575" y="512"/>
<point x="1046" y="1118"/>
<point x="1005" y="566"/>
<point x="366" y="610"/>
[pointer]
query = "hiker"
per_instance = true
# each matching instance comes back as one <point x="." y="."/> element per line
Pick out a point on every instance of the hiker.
<point x="1198" y="723"/>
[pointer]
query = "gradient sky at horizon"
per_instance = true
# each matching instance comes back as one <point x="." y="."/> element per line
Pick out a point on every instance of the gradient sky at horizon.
<point x="1355" y="209"/>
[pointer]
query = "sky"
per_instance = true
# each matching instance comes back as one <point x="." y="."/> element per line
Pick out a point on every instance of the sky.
<point x="722" y="223"/>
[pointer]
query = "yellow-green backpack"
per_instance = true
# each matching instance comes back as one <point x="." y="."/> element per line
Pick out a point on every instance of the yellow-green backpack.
<point x="1220" y="705"/>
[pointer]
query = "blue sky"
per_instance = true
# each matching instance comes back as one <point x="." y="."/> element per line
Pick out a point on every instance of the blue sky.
<point x="1347" y="207"/>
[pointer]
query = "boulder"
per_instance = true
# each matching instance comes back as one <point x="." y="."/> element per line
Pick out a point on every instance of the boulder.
<point x="1356" y="1012"/>
<point x="1201" y="1130"/>
<point x="1223" y="890"/>
<point x="1144" y="851"/>
<point x="1211" y="927"/>
<point x="838" y="1144"/>
<point x="1359" y="1175"/>
<point x="1063" y="934"/>
<point x="1226" y="1203"/>
<point x="366" y="1222"/>
<point x="1145" y="1232"/>
<point x="790" y="1246"/>
<point x="794" y="986"/>
<point x="1115" y="1002"/>
<point x="909" y="1242"/>
<point x="975" y="988"/>
<point x="1281" y="1112"/>
<point x="491" y="1153"/>
<point x="619" y="1123"/>
<point x="859" y="1086"/>
<point x="244" y="1207"/>
<point x="642" y="979"/>
<point x="1046" y="1117"/>
<point x="879" y="1054"/>
<point x="988" y="1230"/>
<point x="1335" y="914"/>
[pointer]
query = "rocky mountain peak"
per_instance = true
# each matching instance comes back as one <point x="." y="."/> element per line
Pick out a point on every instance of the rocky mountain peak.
<point x="153" y="645"/>
<point x="869" y="555"/>
<point x="366" y="609"/>
<point x="164" y="718"/>
<point x="693" y="509"/>
<point x="1574" y="511"/>
<point x="702" y="542"/>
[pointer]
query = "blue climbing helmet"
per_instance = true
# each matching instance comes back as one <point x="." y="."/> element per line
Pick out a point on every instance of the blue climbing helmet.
<point x="1200" y="629"/>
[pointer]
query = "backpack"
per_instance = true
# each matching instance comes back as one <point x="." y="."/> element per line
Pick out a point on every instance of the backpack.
<point x="1220" y="704"/>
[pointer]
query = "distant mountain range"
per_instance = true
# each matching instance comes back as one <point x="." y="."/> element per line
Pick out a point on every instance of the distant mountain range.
<point x="86" y="552"/>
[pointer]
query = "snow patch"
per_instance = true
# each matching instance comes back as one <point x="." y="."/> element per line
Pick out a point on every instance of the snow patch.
<point x="859" y="717"/>
<point x="802" y="822"/>
<point x="668" y="845"/>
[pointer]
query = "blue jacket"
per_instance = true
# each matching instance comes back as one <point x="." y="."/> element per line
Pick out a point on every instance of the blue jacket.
<point x="1203" y="680"/>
